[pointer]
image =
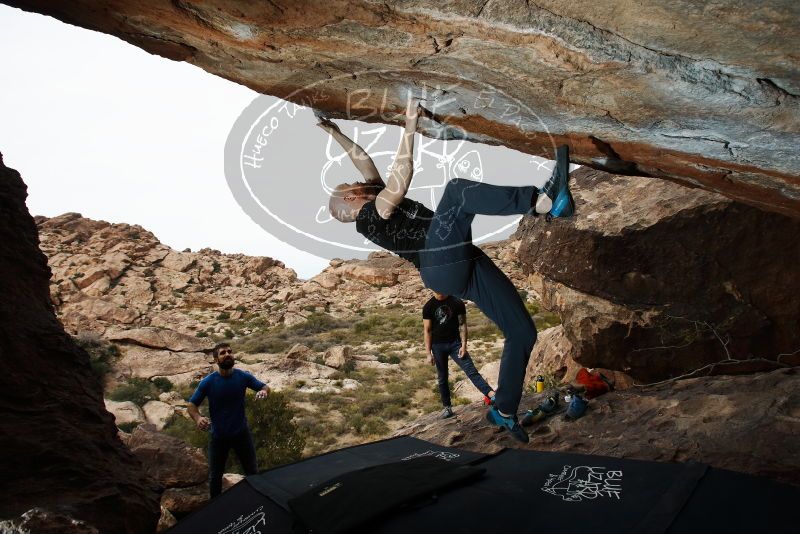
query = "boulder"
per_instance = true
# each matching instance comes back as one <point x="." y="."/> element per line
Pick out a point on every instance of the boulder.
<point x="552" y="355"/>
<point x="170" y="460"/>
<point x="299" y="352"/>
<point x="338" y="356"/>
<point x="327" y="280"/>
<point x="148" y="363"/>
<point x="182" y="501"/>
<point x="125" y="412"/>
<point x="159" y="338"/>
<point x="658" y="280"/>
<point x="178" y="261"/>
<point x="166" y="521"/>
<point x="158" y="413"/>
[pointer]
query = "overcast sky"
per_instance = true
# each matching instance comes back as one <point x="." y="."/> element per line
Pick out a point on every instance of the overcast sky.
<point x="100" y="127"/>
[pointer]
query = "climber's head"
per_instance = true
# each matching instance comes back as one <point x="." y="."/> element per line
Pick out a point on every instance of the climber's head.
<point x="347" y="199"/>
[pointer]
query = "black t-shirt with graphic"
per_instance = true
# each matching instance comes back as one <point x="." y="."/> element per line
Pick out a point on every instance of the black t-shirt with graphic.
<point x="403" y="233"/>
<point x="444" y="318"/>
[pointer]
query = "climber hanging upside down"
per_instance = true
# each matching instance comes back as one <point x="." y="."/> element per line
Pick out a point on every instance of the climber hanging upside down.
<point x="439" y="243"/>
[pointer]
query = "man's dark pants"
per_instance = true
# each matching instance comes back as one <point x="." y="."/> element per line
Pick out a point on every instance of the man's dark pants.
<point x="218" y="449"/>
<point x="452" y="265"/>
<point x="442" y="352"/>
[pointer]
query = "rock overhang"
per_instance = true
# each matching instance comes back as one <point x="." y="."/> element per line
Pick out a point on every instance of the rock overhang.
<point x="703" y="95"/>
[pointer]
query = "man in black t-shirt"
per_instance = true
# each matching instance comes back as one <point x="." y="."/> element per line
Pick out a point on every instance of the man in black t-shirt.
<point x="441" y="247"/>
<point x="444" y="322"/>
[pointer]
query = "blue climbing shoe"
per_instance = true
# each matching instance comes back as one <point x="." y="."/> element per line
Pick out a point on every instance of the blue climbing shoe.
<point x="577" y="407"/>
<point x="507" y="423"/>
<point x="555" y="198"/>
<point x="532" y="416"/>
<point x="545" y="408"/>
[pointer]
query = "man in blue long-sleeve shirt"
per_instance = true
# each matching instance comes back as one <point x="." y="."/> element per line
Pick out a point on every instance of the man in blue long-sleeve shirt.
<point x="225" y="390"/>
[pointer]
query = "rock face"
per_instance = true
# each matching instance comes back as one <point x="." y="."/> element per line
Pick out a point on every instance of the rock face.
<point x="705" y="94"/>
<point x="743" y="423"/>
<point x="60" y="445"/>
<point x="657" y="280"/>
<point x="144" y="298"/>
<point x="167" y="459"/>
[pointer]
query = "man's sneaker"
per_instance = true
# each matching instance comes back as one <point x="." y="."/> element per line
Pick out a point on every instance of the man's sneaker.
<point x="507" y="423"/>
<point x="446" y="413"/>
<point x="555" y="198"/>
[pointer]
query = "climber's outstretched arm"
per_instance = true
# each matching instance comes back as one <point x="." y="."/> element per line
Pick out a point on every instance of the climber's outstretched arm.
<point x="399" y="179"/>
<point x="362" y="161"/>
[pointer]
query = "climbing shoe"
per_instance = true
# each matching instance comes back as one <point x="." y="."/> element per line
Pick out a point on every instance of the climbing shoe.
<point x="446" y="413"/>
<point x="545" y="408"/>
<point x="555" y="198"/>
<point x="532" y="416"/>
<point x="549" y="404"/>
<point x="577" y="407"/>
<point x="507" y="423"/>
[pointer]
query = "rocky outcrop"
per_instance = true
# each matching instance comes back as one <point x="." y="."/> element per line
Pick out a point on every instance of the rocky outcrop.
<point x="705" y="95"/>
<point x="143" y="293"/>
<point x="743" y="423"/>
<point x="657" y="280"/>
<point x="167" y="459"/>
<point x="159" y="338"/>
<point x="60" y="446"/>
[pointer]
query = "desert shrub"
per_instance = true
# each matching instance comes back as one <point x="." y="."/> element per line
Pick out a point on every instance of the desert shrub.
<point x="186" y="429"/>
<point x="101" y="353"/>
<point x="277" y="438"/>
<point x="348" y="367"/>
<point x="136" y="390"/>
<point x="314" y="332"/>
<point x="486" y="331"/>
<point x="163" y="383"/>
<point x="546" y="320"/>
<point x="228" y="333"/>
<point x="374" y="426"/>
<point x="201" y="334"/>
<point x="223" y="316"/>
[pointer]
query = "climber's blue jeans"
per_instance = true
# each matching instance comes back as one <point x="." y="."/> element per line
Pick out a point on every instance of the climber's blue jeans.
<point x="218" y="449"/>
<point x="452" y="265"/>
<point x="442" y="352"/>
